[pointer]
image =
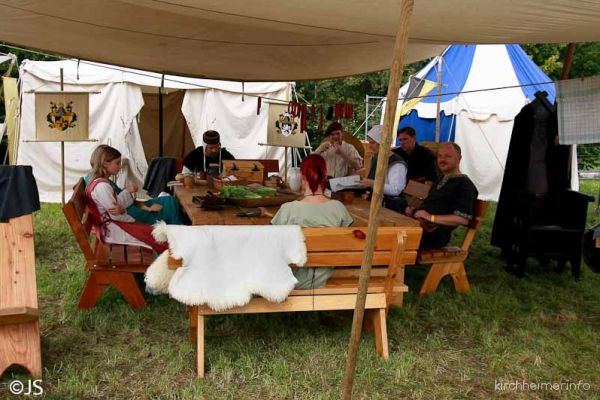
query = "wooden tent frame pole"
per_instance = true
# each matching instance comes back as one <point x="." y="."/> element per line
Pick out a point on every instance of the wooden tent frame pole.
<point x="377" y="198"/>
<point x="161" y="116"/>
<point x="439" y="99"/>
<point x="568" y="61"/>
<point x="62" y="150"/>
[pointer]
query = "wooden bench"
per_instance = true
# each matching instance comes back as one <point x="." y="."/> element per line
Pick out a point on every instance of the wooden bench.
<point x="341" y="248"/>
<point x="19" y="317"/>
<point x="109" y="264"/>
<point x="451" y="260"/>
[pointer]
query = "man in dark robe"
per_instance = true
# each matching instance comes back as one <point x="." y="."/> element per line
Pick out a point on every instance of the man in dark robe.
<point x="210" y="152"/>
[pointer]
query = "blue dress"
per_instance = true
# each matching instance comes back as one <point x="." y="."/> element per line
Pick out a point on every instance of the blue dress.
<point x="170" y="212"/>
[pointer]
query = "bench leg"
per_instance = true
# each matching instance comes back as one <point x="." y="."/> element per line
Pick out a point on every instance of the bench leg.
<point x="98" y="281"/>
<point x="126" y="284"/>
<point x="459" y="276"/>
<point x="95" y="285"/>
<point x="433" y="278"/>
<point x="193" y="313"/>
<point x="200" y="345"/>
<point x="398" y="298"/>
<point x="20" y="344"/>
<point x="378" y="317"/>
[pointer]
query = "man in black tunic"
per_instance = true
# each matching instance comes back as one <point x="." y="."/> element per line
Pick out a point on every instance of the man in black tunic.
<point x="420" y="160"/>
<point x="449" y="203"/>
<point x="210" y="152"/>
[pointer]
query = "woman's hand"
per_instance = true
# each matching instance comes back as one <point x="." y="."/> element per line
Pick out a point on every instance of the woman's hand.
<point x="131" y="188"/>
<point x="155" y="207"/>
<point x="366" y="182"/>
<point x="409" y="211"/>
<point x="323" y="147"/>
<point x="117" y="209"/>
<point x="264" y="212"/>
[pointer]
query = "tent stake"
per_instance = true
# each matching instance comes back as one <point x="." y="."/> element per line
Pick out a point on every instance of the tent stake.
<point x="376" y="199"/>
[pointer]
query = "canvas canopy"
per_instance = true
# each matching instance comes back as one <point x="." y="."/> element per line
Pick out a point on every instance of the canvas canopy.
<point x="116" y="100"/>
<point x="486" y="86"/>
<point x="278" y="40"/>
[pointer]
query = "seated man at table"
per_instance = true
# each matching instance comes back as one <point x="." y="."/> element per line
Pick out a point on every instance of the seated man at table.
<point x="395" y="180"/>
<point x="210" y="152"/>
<point x="341" y="157"/>
<point x="449" y="203"/>
<point x="420" y="160"/>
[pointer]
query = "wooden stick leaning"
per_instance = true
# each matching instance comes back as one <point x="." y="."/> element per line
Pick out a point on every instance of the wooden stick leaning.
<point x="377" y="198"/>
<point x="62" y="151"/>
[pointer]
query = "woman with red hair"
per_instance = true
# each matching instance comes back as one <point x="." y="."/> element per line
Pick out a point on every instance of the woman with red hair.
<point x="313" y="210"/>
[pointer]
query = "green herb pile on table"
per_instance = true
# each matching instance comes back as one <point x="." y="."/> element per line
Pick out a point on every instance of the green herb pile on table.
<point x="244" y="192"/>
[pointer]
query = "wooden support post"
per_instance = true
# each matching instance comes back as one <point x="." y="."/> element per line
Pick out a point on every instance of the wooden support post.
<point x="377" y="198"/>
<point x="62" y="152"/>
<point x="285" y="164"/>
<point x="568" y="61"/>
<point x="565" y="75"/>
<point x="439" y="100"/>
<point x="160" y="117"/>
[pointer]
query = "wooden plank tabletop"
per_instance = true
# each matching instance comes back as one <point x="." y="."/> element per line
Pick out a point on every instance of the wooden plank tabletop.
<point x="359" y="209"/>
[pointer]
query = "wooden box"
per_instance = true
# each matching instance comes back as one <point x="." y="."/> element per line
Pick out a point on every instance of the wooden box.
<point x="248" y="171"/>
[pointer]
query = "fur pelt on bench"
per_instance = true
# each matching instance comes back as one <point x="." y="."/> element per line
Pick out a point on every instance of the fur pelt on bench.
<point x="224" y="266"/>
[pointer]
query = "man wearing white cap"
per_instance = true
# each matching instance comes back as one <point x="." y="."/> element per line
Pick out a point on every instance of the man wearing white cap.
<point x="395" y="181"/>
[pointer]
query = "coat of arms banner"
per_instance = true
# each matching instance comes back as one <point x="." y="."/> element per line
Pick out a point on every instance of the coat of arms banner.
<point x="61" y="116"/>
<point x="284" y="128"/>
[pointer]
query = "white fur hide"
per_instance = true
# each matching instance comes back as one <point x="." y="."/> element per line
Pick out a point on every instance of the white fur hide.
<point x="224" y="266"/>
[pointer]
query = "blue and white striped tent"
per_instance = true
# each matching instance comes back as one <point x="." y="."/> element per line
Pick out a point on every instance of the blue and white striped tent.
<point x="484" y="87"/>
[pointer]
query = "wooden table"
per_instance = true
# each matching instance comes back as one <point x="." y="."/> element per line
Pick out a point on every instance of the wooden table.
<point x="359" y="210"/>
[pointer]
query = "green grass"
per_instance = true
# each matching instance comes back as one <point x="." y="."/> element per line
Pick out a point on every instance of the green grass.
<point x="542" y="328"/>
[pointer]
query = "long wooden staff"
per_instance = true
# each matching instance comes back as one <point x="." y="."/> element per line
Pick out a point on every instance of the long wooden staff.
<point x="377" y="198"/>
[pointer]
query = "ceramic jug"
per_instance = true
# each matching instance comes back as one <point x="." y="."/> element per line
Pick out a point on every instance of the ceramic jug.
<point x="294" y="179"/>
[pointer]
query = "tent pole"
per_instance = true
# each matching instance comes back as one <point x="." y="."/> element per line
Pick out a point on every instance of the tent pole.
<point x="62" y="151"/>
<point x="568" y="62"/>
<point x="439" y="100"/>
<point x="160" y="116"/>
<point x="377" y="197"/>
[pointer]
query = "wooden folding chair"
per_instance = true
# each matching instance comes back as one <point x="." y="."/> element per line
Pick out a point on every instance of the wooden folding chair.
<point x="450" y="260"/>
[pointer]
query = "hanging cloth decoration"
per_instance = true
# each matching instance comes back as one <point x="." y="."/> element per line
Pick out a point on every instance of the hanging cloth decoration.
<point x="343" y="111"/>
<point x="303" y="112"/>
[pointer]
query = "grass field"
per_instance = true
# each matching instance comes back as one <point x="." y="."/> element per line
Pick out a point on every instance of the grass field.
<point x="542" y="329"/>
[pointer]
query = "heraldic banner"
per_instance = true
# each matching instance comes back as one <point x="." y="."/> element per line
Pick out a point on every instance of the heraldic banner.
<point x="284" y="129"/>
<point x="61" y="116"/>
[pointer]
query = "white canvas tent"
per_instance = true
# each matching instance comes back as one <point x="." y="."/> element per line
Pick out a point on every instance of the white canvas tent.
<point x="116" y="101"/>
